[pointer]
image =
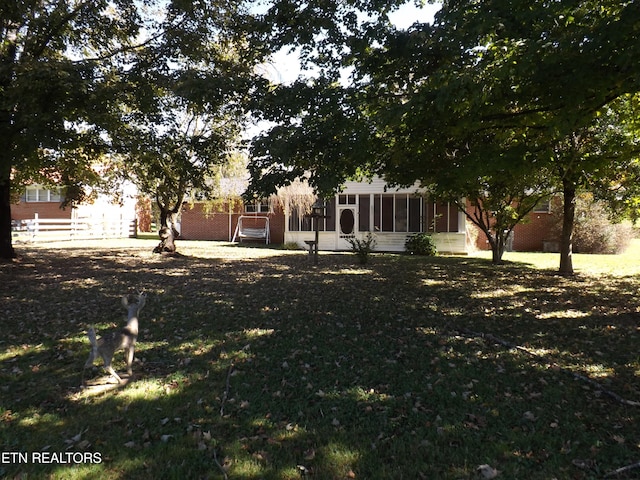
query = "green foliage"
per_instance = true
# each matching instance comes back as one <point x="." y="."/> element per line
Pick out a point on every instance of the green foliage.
<point x="363" y="247"/>
<point x="420" y="244"/>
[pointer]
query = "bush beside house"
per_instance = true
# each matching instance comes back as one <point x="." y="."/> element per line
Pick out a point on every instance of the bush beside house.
<point x="594" y="232"/>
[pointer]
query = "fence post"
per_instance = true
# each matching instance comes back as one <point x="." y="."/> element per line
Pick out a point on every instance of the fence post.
<point x="36" y="226"/>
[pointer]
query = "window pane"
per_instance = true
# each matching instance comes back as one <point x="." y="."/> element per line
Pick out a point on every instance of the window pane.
<point x="363" y="213"/>
<point x="294" y="220"/>
<point x="54" y="196"/>
<point x="414" y="214"/>
<point x="453" y="218"/>
<point x="387" y="213"/>
<point x="305" y="224"/>
<point x="330" y="212"/>
<point x="401" y="213"/>
<point x="544" y="206"/>
<point x="32" y="195"/>
<point x="442" y="217"/>
<point x="377" y="216"/>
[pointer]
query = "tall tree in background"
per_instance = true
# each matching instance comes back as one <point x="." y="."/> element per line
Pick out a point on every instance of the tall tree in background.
<point x="198" y="84"/>
<point x="72" y="73"/>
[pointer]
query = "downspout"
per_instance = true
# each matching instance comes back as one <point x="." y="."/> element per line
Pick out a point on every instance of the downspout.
<point x="230" y="219"/>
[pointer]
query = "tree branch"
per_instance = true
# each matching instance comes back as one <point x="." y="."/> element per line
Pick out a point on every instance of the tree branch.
<point x="620" y="470"/>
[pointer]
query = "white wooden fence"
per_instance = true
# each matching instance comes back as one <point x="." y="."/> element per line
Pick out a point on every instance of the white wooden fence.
<point x="51" y="229"/>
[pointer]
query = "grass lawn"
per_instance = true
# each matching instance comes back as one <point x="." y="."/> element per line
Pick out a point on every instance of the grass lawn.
<point x="253" y="364"/>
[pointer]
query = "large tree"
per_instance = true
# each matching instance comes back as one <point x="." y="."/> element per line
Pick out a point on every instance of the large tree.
<point x="72" y="72"/>
<point x="55" y="85"/>
<point x="498" y="84"/>
<point x="174" y="153"/>
<point x="199" y="84"/>
<point x="556" y="73"/>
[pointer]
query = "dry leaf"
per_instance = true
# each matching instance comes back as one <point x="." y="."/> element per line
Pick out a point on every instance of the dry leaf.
<point x="83" y="445"/>
<point x="487" y="472"/>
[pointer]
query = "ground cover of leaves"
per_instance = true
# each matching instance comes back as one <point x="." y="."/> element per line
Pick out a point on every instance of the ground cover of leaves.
<point x="252" y="363"/>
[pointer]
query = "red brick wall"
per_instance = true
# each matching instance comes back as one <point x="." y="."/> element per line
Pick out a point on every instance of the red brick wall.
<point x="196" y="225"/>
<point x="26" y="210"/>
<point x="528" y="236"/>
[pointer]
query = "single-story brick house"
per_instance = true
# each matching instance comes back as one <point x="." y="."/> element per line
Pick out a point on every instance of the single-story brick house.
<point x="391" y="214"/>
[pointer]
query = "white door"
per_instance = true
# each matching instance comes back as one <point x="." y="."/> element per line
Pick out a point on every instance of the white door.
<point x="347" y="226"/>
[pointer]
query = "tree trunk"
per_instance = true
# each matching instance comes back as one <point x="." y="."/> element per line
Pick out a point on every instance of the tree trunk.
<point x="498" y="244"/>
<point x="6" y="242"/>
<point x="168" y="232"/>
<point x="568" y="218"/>
<point x="7" y="68"/>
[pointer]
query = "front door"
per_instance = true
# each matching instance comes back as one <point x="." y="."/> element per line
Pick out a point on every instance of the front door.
<point x="346" y="226"/>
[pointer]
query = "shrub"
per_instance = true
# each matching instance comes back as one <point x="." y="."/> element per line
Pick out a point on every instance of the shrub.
<point x="363" y="247"/>
<point x="593" y="230"/>
<point x="291" y="246"/>
<point x="420" y="244"/>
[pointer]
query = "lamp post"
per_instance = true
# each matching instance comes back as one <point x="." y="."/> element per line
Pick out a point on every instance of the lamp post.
<point x="317" y="212"/>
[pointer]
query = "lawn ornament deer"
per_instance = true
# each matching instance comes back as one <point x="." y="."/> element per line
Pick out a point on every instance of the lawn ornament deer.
<point x="124" y="339"/>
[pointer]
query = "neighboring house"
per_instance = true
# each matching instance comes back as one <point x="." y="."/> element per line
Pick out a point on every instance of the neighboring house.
<point x="39" y="214"/>
<point x="37" y="200"/>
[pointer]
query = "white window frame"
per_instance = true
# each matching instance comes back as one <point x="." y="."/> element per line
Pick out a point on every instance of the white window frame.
<point x="259" y="206"/>
<point x="37" y="193"/>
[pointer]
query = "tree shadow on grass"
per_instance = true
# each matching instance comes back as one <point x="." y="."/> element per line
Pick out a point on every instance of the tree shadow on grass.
<point x="269" y="368"/>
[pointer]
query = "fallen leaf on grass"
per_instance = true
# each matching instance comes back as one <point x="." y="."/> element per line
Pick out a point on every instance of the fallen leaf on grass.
<point x="487" y="472"/>
<point x="83" y="445"/>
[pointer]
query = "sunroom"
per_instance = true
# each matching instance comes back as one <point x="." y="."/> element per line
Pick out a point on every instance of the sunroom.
<point x="389" y="214"/>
